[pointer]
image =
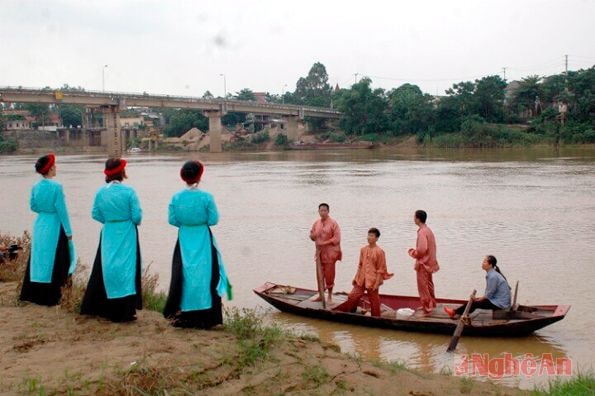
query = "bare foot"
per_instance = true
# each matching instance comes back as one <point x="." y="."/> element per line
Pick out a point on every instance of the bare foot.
<point x="317" y="299"/>
<point x="329" y="301"/>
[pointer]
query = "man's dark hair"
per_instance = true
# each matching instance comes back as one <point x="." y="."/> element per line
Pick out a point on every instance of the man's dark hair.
<point x="324" y="204"/>
<point x="374" y="231"/>
<point x="421" y="215"/>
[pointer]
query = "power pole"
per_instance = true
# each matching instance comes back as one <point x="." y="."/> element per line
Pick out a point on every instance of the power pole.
<point x="355" y="75"/>
<point x="504" y="72"/>
<point x="566" y="65"/>
<point x="566" y="72"/>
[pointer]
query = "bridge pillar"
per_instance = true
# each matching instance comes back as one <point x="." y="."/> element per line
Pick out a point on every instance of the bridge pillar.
<point x="291" y="127"/>
<point x="111" y="122"/>
<point x="214" y="130"/>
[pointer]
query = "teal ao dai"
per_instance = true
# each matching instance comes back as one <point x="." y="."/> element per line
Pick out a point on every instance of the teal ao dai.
<point x="47" y="200"/>
<point x="193" y="211"/>
<point x="117" y="207"/>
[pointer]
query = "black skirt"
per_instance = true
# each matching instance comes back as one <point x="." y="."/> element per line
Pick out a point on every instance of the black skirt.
<point x="201" y="319"/>
<point x="49" y="293"/>
<point x="95" y="301"/>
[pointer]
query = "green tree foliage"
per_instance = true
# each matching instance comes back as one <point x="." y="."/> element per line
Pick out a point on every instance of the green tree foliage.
<point x="524" y="97"/>
<point x="488" y="98"/>
<point x="245" y="94"/>
<point x="183" y="120"/>
<point x="72" y="115"/>
<point x="411" y="111"/>
<point x="364" y="109"/>
<point x="314" y="89"/>
<point x="461" y="98"/>
<point x="40" y="111"/>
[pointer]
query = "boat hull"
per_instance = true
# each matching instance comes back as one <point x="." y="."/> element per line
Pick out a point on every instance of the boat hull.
<point x="516" y="327"/>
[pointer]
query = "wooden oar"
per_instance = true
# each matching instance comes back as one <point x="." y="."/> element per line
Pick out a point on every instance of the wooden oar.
<point x="457" y="334"/>
<point x="320" y="279"/>
<point x="514" y="307"/>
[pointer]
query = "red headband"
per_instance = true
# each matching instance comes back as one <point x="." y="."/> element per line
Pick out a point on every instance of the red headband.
<point x="197" y="178"/>
<point x="48" y="166"/>
<point x="117" y="169"/>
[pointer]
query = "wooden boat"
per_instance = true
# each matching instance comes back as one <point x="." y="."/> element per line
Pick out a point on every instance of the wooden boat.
<point x="512" y="323"/>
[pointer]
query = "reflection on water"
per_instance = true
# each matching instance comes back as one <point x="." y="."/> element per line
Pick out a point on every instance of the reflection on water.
<point x="427" y="351"/>
<point x="533" y="209"/>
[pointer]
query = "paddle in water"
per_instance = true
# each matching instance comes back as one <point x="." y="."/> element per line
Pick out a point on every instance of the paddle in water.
<point x="457" y="334"/>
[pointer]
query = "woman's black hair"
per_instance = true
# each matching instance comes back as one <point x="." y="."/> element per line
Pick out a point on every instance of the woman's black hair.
<point x="41" y="163"/>
<point x="111" y="164"/>
<point x="191" y="171"/>
<point x="494" y="263"/>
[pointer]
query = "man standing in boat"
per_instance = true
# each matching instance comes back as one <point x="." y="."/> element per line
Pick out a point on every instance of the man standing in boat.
<point x="371" y="272"/>
<point x="326" y="234"/>
<point x="425" y="262"/>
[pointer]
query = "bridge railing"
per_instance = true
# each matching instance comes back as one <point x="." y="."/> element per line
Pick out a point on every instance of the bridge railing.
<point x="188" y="99"/>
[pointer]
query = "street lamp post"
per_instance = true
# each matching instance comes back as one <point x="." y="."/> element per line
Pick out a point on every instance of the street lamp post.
<point x="103" y="78"/>
<point x="283" y="93"/>
<point x="224" y="86"/>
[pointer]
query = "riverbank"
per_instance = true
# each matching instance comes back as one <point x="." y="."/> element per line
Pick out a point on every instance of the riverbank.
<point x="49" y="350"/>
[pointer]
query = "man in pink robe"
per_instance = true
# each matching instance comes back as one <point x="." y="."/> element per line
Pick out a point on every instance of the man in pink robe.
<point x="371" y="273"/>
<point x="326" y="234"/>
<point x="425" y="262"/>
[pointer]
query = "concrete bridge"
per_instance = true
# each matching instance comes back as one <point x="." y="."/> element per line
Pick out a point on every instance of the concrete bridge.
<point x="111" y="103"/>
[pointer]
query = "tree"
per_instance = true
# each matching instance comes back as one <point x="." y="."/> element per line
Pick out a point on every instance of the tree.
<point x="462" y="97"/>
<point x="363" y="109"/>
<point x="489" y="98"/>
<point x="245" y="94"/>
<point x="72" y="115"/>
<point x="183" y="120"/>
<point x="314" y="90"/>
<point x="39" y="111"/>
<point x="526" y="94"/>
<point x="411" y="111"/>
<point x="208" y="95"/>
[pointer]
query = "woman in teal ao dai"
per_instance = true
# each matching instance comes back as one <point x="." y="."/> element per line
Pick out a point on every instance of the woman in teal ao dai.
<point x="52" y="258"/>
<point x="114" y="288"/>
<point x="198" y="277"/>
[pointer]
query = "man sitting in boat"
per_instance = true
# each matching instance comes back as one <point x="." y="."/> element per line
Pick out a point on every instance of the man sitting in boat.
<point x="371" y="272"/>
<point x="497" y="293"/>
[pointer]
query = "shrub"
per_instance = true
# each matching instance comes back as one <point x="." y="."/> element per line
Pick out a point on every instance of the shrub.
<point x="281" y="140"/>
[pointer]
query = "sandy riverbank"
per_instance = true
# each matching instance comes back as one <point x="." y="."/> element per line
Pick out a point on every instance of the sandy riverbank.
<point x="55" y="351"/>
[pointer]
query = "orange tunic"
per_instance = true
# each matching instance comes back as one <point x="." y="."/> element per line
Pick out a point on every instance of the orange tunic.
<point x="372" y="262"/>
<point x="324" y="231"/>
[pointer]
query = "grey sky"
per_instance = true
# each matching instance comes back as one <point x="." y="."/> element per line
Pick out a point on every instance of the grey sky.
<point x="182" y="47"/>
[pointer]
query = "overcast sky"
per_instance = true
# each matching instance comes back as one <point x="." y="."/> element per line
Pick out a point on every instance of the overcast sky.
<point x="182" y="47"/>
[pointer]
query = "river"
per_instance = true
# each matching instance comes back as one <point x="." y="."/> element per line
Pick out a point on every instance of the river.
<point x="533" y="209"/>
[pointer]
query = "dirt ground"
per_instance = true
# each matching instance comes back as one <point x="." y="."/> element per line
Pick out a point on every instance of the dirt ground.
<point x="51" y="351"/>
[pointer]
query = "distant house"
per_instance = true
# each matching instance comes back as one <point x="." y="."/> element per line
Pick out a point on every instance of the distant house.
<point x="18" y="120"/>
<point x="261" y="97"/>
<point x="132" y="121"/>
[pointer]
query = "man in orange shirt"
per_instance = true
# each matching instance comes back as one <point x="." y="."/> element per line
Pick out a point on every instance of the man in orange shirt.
<point x="425" y="262"/>
<point x="371" y="272"/>
<point x="326" y="234"/>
